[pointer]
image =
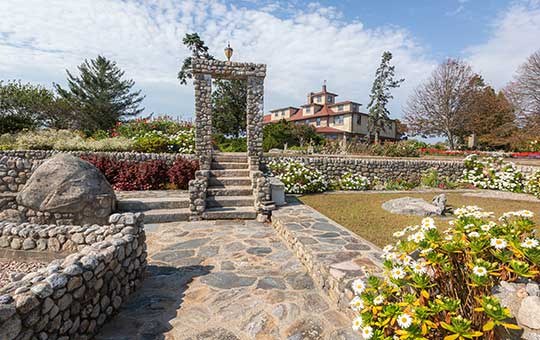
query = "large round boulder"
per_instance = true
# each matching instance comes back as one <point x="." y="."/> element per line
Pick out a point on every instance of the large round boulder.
<point x="68" y="188"/>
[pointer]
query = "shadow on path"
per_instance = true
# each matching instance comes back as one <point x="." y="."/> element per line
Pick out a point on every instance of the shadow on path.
<point x="147" y="312"/>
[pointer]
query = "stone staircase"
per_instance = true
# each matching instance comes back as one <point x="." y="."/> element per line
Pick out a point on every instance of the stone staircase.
<point x="229" y="194"/>
<point x="157" y="206"/>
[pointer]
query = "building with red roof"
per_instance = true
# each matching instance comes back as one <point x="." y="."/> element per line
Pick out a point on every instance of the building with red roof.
<point x="332" y="119"/>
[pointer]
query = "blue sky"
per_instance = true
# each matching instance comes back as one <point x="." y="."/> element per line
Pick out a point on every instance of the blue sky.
<point x="303" y="42"/>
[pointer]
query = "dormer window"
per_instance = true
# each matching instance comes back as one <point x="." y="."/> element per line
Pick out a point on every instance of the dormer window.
<point x="340" y="108"/>
<point x="318" y="99"/>
<point x="330" y="99"/>
<point x="308" y="109"/>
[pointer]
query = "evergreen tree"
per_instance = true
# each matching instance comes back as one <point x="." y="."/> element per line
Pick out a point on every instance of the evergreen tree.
<point x="380" y="95"/>
<point x="229" y="97"/>
<point x="100" y="96"/>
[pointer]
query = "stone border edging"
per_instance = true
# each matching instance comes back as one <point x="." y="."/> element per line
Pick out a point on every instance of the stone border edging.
<point x="332" y="255"/>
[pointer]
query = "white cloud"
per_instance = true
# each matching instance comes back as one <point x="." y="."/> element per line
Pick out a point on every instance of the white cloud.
<point x="39" y="39"/>
<point x="514" y="37"/>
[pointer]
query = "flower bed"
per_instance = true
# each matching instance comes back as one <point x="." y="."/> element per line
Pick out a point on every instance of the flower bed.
<point x="528" y="154"/>
<point x="496" y="174"/>
<point x="439" y="284"/>
<point x="297" y="178"/>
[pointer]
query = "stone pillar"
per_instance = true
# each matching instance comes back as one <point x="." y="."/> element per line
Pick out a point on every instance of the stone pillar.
<point x="255" y="107"/>
<point x="203" y="119"/>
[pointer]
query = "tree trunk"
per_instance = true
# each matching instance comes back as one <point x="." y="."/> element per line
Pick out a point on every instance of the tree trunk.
<point x="376" y="137"/>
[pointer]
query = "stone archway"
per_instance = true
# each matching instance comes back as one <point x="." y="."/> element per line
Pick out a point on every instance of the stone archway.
<point x="204" y="71"/>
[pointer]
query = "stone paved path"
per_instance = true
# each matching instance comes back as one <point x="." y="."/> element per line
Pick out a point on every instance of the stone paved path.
<point x="225" y="281"/>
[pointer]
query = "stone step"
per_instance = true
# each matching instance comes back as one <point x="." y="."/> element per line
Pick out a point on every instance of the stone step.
<point x="228" y="165"/>
<point x="229" y="201"/>
<point x="229" y="173"/>
<point x="166" y="215"/>
<point x="144" y="204"/>
<point x="230" y="213"/>
<point x="230" y="191"/>
<point x="234" y="158"/>
<point x="228" y="181"/>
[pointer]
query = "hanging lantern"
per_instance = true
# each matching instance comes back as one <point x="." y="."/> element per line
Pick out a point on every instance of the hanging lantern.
<point x="229" y="51"/>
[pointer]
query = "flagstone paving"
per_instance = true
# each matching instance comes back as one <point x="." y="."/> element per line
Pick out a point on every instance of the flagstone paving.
<point x="225" y="280"/>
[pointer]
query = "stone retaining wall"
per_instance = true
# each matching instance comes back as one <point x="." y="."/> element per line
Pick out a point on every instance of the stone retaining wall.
<point x="332" y="255"/>
<point x="72" y="297"/>
<point x="381" y="168"/>
<point x="16" y="166"/>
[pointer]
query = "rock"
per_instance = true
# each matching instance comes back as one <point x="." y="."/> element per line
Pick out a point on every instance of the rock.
<point x="271" y="283"/>
<point x="68" y="185"/>
<point x="259" y="251"/>
<point x="216" y="334"/>
<point x="11" y="328"/>
<point x="440" y="202"/>
<point x="533" y="289"/>
<point x="11" y="215"/>
<point x="411" y="206"/>
<point x="529" y="312"/>
<point x="227" y="280"/>
<point x="42" y="289"/>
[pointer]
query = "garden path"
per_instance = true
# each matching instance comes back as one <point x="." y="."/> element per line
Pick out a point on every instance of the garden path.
<point x="226" y="280"/>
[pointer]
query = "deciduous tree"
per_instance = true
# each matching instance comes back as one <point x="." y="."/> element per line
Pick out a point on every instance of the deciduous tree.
<point x="436" y="108"/>
<point x="380" y="95"/>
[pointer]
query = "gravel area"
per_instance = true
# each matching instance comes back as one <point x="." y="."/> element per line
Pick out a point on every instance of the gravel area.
<point x="503" y="195"/>
<point x="10" y="269"/>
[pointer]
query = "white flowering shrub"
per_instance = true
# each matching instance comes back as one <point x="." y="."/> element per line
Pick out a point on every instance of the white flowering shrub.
<point x="298" y="178"/>
<point x="182" y="141"/>
<point x="533" y="184"/>
<point x="351" y="181"/>
<point x="438" y="285"/>
<point x="493" y="173"/>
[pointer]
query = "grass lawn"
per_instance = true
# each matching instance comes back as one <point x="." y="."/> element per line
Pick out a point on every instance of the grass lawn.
<point x="362" y="212"/>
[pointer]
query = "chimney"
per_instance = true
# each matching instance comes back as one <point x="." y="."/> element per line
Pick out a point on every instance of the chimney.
<point x="324" y="87"/>
<point x="309" y="97"/>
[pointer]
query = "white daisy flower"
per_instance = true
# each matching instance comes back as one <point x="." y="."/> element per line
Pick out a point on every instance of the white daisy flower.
<point x="485" y="227"/>
<point x="358" y="286"/>
<point x="378" y="300"/>
<point x="529" y="243"/>
<point x="474" y="234"/>
<point x="397" y="273"/>
<point x="398" y="233"/>
<point x="367" y="332"/>
<point x="404" y="321"/>
<point x="357" y="323"/>
<point x="426" y="251"/>
<point x="448" y="237"/>
<point x="498" y="243"/>
<point x="479" y="271"/>
<point x="407" y="260"/>
<point x="419" y="267"/>
<point x="388" y="248"/>
<point x="418" y="237"/>
<point x="357" y="304"/>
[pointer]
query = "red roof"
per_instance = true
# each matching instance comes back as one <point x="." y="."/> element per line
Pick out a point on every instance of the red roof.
<point x="326" y="111"/>
<point x="327" y="129"/>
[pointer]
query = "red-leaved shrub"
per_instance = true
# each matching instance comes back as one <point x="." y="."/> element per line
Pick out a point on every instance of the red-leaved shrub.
<point x="181" y="172"/>
<point x="149" y="175"/>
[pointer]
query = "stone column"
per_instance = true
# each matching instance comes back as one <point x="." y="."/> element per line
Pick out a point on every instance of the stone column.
<point x="203" y="119"/>
<point x="255" y="107"/>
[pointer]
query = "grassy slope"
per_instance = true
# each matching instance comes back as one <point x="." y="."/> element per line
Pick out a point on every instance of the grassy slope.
<point x="362" y="212"/>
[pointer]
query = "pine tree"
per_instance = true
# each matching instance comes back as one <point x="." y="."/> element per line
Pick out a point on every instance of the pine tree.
<point x="99" y="96"/>
<point x="380" y="95"/>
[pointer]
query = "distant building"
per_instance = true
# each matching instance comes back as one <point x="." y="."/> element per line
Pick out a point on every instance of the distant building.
<point x="334" y="120"/>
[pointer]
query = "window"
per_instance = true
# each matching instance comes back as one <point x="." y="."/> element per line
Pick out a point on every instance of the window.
<point x="308" y="109"/>
<point x="330" y="99"/>
<point x="359" y="119"/>
<point x="283" y="113"/>
<point x="318" y="99"/>
<point x="319" y="121"/>
<point x="338" y="120"/>
<point x="276" y="114"/>
<point x="340" y="107"/>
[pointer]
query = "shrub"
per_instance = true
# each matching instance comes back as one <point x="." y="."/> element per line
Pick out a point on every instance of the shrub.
<point x="225" y="144"/>
<point x="181" y="172"/>
<point x="49" y="139"/>
<point x="297" y="178"/>
<point x="149" y="175"/>
<point x="153" y="142"/>
<point x="183" y="141"/>
<point x="492" y="173"/>
<point x="533" y="184"/>
<point x="439" y="285"/>
<point x="351" y="181"/>
<point x="399" y="184"/>
<point x="432" y="179"/>
<point x="7" y="141"/>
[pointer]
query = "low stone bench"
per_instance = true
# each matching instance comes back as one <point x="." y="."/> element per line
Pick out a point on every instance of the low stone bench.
<point x="277" y="188"/>
<point x="333" y="255"/>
